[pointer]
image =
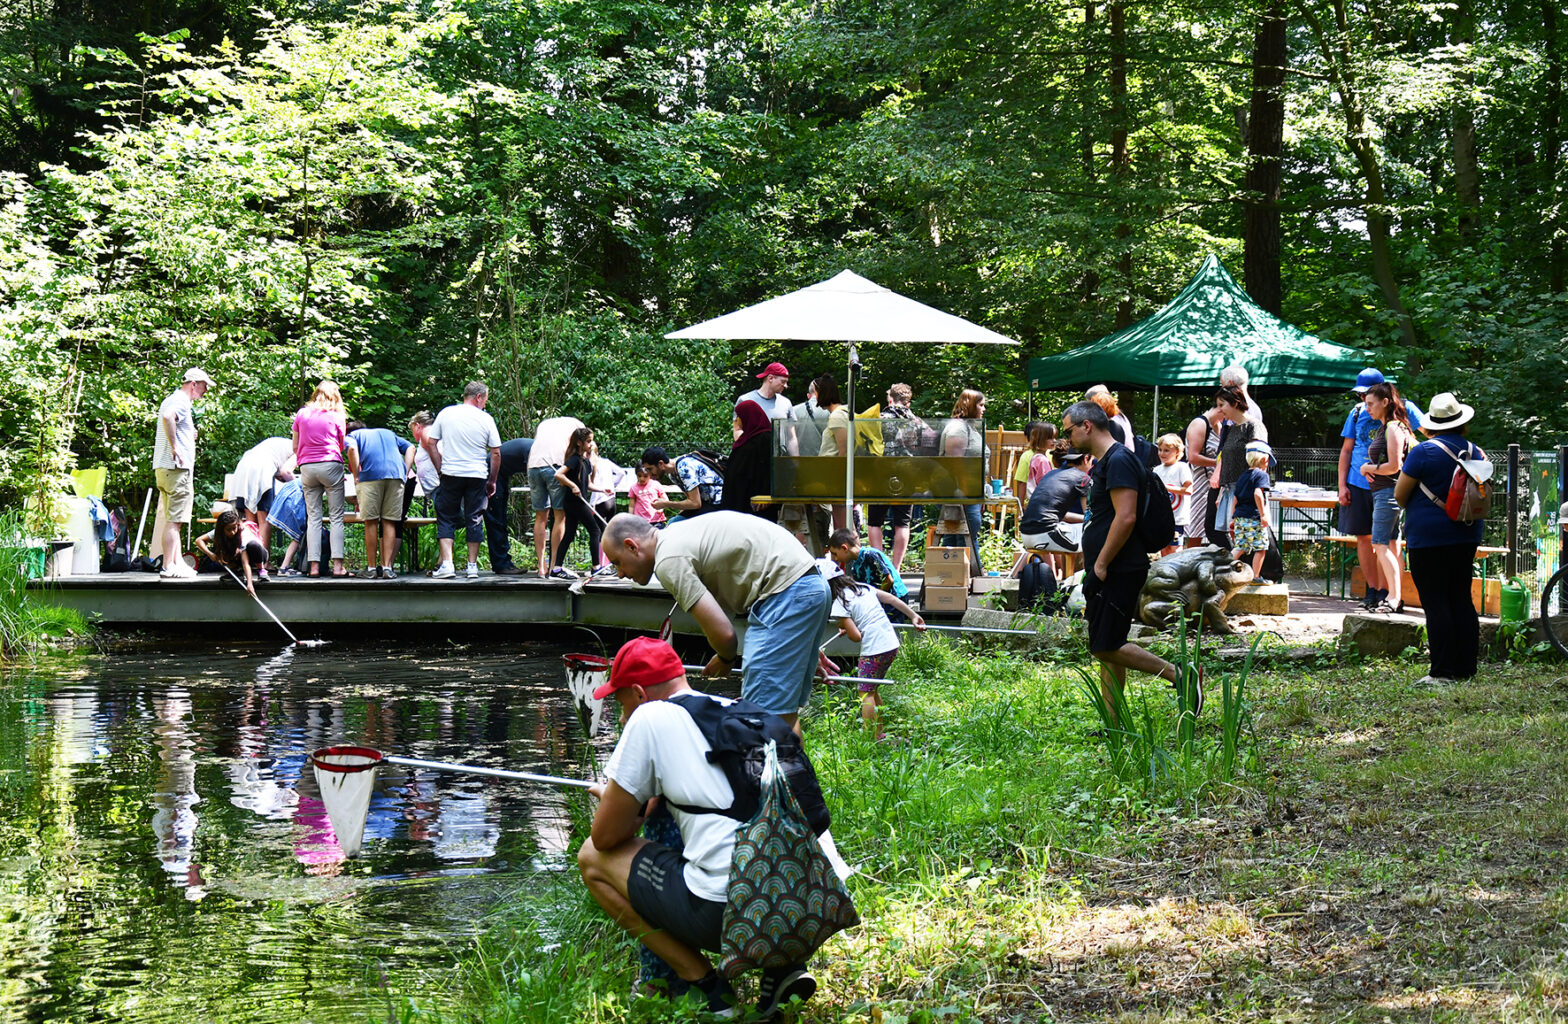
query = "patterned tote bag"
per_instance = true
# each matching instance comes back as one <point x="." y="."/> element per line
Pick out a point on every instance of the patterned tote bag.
<point x="785" y="899"/>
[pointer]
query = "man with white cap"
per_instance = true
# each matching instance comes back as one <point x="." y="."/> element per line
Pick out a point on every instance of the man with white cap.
<point x="1355" y="493"/>
<point x="173" y="460"/>
<point x="672" y="900"/>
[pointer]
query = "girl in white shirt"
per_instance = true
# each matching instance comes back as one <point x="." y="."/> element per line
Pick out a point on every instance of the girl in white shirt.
<point x="858" y="609"/>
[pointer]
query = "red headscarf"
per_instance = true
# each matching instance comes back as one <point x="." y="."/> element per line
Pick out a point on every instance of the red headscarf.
<point x="753" y="421"/>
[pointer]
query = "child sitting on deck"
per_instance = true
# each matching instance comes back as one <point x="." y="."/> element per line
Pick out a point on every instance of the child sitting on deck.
<point x="858" y="609"/>
<point x="235" y="543"/>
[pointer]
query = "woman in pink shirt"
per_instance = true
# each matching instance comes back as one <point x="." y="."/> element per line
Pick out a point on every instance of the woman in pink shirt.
<point x="320" y="434"/>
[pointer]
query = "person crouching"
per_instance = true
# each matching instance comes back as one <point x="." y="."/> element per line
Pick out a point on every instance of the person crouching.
<point x="671" y="901"/>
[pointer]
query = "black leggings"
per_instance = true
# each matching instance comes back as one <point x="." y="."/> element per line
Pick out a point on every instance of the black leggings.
<point x="1453" y="629"/>
<point x="578" y="513"/>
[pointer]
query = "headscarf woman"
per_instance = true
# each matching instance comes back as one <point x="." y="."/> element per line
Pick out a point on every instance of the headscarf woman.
<point x="750" y="469"/>
<point x="964" y="436"/>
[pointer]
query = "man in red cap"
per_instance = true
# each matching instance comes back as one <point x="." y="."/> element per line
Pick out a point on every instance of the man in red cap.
<point x="672" y="901"/>
<point x="770" y="393"/>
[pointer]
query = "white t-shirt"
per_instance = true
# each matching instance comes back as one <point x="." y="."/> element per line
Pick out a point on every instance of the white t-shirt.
<point x="877" y="635"/>
<point x="1177" y="474"/>
<point x="663" y="753"/>
<point x="550" y="439"/>
<point x="425" y="469"/>
<point x="467" y="434"/>
<point x="178" y="408"/>
<point x="778" y="407"/>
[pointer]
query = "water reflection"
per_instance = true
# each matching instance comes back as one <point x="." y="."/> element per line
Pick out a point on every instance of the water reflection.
<point x="164" y="852"/>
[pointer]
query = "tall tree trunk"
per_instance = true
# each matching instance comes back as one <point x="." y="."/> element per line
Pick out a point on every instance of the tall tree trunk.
<point x="1467" y="174"/>
<point x="1551" y="139"/>
<point x="1120" y="161"/>
<point x="1088" y="107"/>
<point x="1338" y="59"/>
<point x="1265" y="149"/>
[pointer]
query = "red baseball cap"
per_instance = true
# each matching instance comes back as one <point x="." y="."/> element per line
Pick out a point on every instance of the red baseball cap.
<point x="773" y="370"/>
<point x="641" y="661"/>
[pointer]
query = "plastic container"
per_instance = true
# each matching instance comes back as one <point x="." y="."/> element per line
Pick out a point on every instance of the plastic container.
<point x="79" y="530"/>
<point x="1514" y="605"/>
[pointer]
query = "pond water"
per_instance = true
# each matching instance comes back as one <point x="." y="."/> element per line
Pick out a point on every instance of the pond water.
<point x="164" y="853"/>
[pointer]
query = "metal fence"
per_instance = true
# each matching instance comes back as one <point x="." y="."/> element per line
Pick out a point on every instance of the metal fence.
<point x="1524" y="517"/>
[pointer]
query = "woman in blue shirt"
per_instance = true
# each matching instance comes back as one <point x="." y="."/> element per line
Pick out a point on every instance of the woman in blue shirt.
<point x="1441" y="550"/>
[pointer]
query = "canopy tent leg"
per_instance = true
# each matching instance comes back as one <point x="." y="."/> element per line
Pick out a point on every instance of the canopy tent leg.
<point x="1154" y="436"/>
<point x="849" y="441"/>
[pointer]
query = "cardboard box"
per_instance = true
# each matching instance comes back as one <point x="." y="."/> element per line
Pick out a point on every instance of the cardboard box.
<point x="945" y="600"/>
<point x="947" y="574"/>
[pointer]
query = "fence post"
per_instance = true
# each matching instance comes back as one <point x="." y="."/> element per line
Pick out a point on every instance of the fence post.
<point x="1511" y="560"/>
<point x="1562" y="475"/>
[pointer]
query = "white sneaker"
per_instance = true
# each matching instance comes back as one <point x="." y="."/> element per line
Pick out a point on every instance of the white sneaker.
<point x="444" y="571"/>
<point x="177" y="571"/>
<point x="473" y="570"/>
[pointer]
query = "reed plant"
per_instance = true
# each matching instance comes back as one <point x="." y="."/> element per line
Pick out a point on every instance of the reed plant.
<point x="25" y="621"/>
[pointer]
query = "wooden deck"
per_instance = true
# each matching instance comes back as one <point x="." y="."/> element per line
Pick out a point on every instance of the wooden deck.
<point x="308" y="606"/>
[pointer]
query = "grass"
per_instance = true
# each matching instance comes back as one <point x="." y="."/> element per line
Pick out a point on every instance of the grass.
<point x="26" y="621"/>
<point x="1380" y="853"/>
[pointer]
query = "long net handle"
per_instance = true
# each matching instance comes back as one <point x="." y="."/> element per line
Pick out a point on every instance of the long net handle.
<point x="500" y="773"/>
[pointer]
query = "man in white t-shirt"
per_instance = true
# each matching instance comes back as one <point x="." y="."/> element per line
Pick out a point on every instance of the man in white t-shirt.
<point x="173" y="461"/>
<point x="465" y="447"/>
<point x="671" y="900"/>
<point x="544" y="490"/>
<point x="727" y="564"/>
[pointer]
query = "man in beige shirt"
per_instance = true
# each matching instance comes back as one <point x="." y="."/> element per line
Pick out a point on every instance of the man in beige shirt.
<point x="726" y="564"/>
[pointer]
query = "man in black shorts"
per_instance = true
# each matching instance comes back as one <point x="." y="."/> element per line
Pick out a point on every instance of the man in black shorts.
<point x="671" y="901"/>
<point x="1115" y="565"/>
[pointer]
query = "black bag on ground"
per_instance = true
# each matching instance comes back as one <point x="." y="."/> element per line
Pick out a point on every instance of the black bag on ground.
<point x="739" y="733"/>
<point x="1036" y="586"/>
<point x="145" y="564"/>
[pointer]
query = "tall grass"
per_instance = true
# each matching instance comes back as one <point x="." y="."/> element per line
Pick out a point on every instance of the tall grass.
<point x="1162" y="754"/>
<point x="25" y="620"/>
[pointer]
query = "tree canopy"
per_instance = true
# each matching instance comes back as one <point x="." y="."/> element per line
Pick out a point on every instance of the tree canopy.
<point x="404" y="196"/>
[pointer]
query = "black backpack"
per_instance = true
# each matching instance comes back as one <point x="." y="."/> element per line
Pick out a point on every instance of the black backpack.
<point x="1036" y="586"/>
<point x="1156" y="518"/>
<point x="739" y="733"/>
<point x="117" y="552"/>
<point x="1148" y="453"/>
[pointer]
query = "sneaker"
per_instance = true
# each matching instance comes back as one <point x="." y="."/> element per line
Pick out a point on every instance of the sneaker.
<point x="177" y="571"/>
<point x="561" y="572"/>
<point x="780" y="986"/>
<point x="444" y="571"/>
<point x="388" y="573"/>
<point x="290" y="571"/>
<point x="369" y="574"/>
<point x="720" y="998"/>
<point x="1435" y="681"/>
<point x="261" y="576"/>
<point x="1194" y="676"/>
<point x="1372" y="597"/>
<point x="473" y="571"/>
<point x="512" y="570"/>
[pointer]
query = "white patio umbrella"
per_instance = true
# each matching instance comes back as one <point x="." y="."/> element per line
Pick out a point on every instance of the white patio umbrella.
<point x="850" y="309"/>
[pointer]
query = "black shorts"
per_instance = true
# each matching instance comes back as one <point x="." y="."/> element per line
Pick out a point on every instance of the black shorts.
<point x="1110" y="606"/>
<point x="892" y="515"/>
<point x="1355" y="519"/>
<point x="657" y="891"/>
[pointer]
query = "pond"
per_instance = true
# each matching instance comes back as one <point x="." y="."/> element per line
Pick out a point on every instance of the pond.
<point x="164" y="853"/>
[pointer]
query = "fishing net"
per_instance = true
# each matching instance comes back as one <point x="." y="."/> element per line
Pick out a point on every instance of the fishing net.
<point x="584" y="674"/>
<point x="346" y="776"/>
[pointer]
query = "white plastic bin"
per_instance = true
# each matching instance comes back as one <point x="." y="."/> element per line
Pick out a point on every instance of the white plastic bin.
<point x="83" y="561"/>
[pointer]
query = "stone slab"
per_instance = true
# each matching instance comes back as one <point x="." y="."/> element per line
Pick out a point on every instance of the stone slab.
<point x="1273" y="599"/>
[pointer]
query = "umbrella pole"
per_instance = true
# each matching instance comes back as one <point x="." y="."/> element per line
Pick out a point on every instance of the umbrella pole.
<point x="849" y="442"/>
<point x="1156" y="412"/>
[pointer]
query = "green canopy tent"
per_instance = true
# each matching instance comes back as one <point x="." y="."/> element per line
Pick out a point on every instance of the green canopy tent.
<point x="1210" y="325"/>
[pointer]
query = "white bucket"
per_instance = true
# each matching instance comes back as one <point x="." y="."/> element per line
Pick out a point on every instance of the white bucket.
<point x="346" y="776"/>
<point x="584" y="674"/>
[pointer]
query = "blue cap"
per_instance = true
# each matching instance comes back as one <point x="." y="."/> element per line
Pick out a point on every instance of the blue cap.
<point x="1366" y="378"/>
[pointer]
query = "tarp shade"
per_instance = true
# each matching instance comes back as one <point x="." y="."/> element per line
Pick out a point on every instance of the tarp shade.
<point x="1210" y="325"/>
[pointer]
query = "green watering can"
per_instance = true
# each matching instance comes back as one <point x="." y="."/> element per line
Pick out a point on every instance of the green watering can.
<point x="1515" y="603"/>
